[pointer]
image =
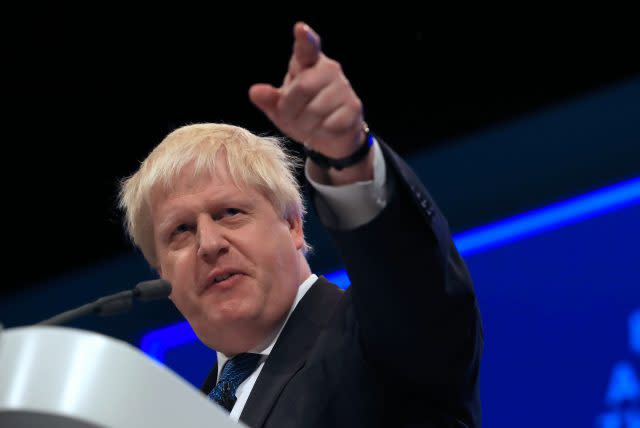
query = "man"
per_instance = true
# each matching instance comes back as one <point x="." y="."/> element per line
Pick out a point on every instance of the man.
<point x="216" y="210"/>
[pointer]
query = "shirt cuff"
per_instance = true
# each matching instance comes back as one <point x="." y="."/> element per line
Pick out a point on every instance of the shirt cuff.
<point x="356" y="204"/>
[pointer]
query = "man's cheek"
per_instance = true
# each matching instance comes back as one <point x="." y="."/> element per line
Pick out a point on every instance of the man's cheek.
<point x="180" y="301"/>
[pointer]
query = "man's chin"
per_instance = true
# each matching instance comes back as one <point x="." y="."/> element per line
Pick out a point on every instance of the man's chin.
<point x="230" y="337"/>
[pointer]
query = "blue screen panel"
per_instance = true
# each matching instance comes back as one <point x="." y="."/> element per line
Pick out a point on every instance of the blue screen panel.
<point x="559" y="292"/>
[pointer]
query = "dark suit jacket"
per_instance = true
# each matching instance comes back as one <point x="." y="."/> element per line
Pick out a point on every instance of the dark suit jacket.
<point x="400" y="348"/>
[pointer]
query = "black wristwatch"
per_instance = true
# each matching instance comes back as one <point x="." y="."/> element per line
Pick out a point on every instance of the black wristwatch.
<point x="326" y="162"/>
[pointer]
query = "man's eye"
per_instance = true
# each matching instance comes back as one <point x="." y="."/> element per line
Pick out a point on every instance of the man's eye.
<point x="181" y="229"/>
<point x="226" y="213"/>
<point x="231" y="212"/>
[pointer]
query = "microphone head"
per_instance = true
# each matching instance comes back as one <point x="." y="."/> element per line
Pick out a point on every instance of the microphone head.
<point x="152" y="290"/>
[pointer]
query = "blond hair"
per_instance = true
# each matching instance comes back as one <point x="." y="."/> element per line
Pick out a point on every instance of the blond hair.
<point x="257" y="162"/>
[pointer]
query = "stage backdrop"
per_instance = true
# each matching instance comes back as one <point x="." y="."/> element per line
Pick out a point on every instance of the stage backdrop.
<point x="546" y="212"/>
<point x="560" y="296"/>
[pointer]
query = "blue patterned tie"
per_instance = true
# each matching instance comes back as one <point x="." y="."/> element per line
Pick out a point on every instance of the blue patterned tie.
<point x="234" y="372"/>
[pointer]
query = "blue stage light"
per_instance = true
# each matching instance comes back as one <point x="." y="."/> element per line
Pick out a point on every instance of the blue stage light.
<point x="157" y="342"/>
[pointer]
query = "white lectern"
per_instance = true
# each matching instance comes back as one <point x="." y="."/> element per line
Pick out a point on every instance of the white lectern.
<point x="64" y="377"/>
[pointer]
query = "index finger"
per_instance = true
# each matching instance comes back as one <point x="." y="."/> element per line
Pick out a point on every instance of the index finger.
<point x="306" y="48"/>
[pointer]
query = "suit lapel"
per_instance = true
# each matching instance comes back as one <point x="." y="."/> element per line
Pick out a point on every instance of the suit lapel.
<point x="291" y="350"/>
<point x="211" y="380"/>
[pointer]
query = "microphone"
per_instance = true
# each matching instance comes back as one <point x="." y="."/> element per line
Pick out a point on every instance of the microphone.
<point x="116" y="303"/>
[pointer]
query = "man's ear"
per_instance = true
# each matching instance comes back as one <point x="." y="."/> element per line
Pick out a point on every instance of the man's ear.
<point x="295" y="228"/>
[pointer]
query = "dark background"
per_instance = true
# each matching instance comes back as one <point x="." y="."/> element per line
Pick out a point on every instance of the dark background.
<point x="87" y="93"/>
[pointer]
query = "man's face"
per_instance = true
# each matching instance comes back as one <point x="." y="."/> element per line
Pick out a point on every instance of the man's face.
<point x="233" y="263"/>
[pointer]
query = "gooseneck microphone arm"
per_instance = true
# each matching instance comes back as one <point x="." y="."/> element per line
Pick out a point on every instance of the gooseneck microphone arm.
<point x="116" y="303"/>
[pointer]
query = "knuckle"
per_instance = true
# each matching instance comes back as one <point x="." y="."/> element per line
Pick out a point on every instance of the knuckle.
<point x="339" y="123"/>
<point x="334" y="65"/>
<point x="305" y="85"/>
<point x="355" y="105"/>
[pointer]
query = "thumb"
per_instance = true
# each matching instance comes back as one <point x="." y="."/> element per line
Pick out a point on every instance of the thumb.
<point x="265" y="97"/>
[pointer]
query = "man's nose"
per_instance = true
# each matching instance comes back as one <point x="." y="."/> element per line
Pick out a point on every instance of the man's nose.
<point x="211" y="239"/>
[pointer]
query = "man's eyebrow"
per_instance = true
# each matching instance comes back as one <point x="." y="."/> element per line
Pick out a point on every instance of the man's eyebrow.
<point x="166" y="222"/>
<point x="243" y="198"/>
<point x="243" y="201"/>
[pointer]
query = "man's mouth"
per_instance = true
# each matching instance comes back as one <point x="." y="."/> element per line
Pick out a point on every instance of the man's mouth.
<point x="221" y="278"/>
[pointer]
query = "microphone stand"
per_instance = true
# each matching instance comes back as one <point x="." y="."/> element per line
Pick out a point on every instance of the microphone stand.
<point x="116" y="303"/>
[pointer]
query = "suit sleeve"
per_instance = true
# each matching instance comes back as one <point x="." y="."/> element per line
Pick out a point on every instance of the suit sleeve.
<point x="412" y="294"/>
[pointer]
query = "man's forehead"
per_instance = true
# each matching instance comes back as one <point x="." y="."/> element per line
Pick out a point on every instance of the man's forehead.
<point x="189" y="181"/>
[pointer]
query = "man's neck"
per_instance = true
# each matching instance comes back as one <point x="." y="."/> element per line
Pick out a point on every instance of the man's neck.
<point x="267" y="345"/>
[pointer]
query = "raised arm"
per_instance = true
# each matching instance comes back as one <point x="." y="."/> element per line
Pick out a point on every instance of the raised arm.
<point x="412" y="293"/>
<point x="316" y="106"/>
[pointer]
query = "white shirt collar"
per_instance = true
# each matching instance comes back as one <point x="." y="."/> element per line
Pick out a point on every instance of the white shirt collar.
<point x="302" y="290"/>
